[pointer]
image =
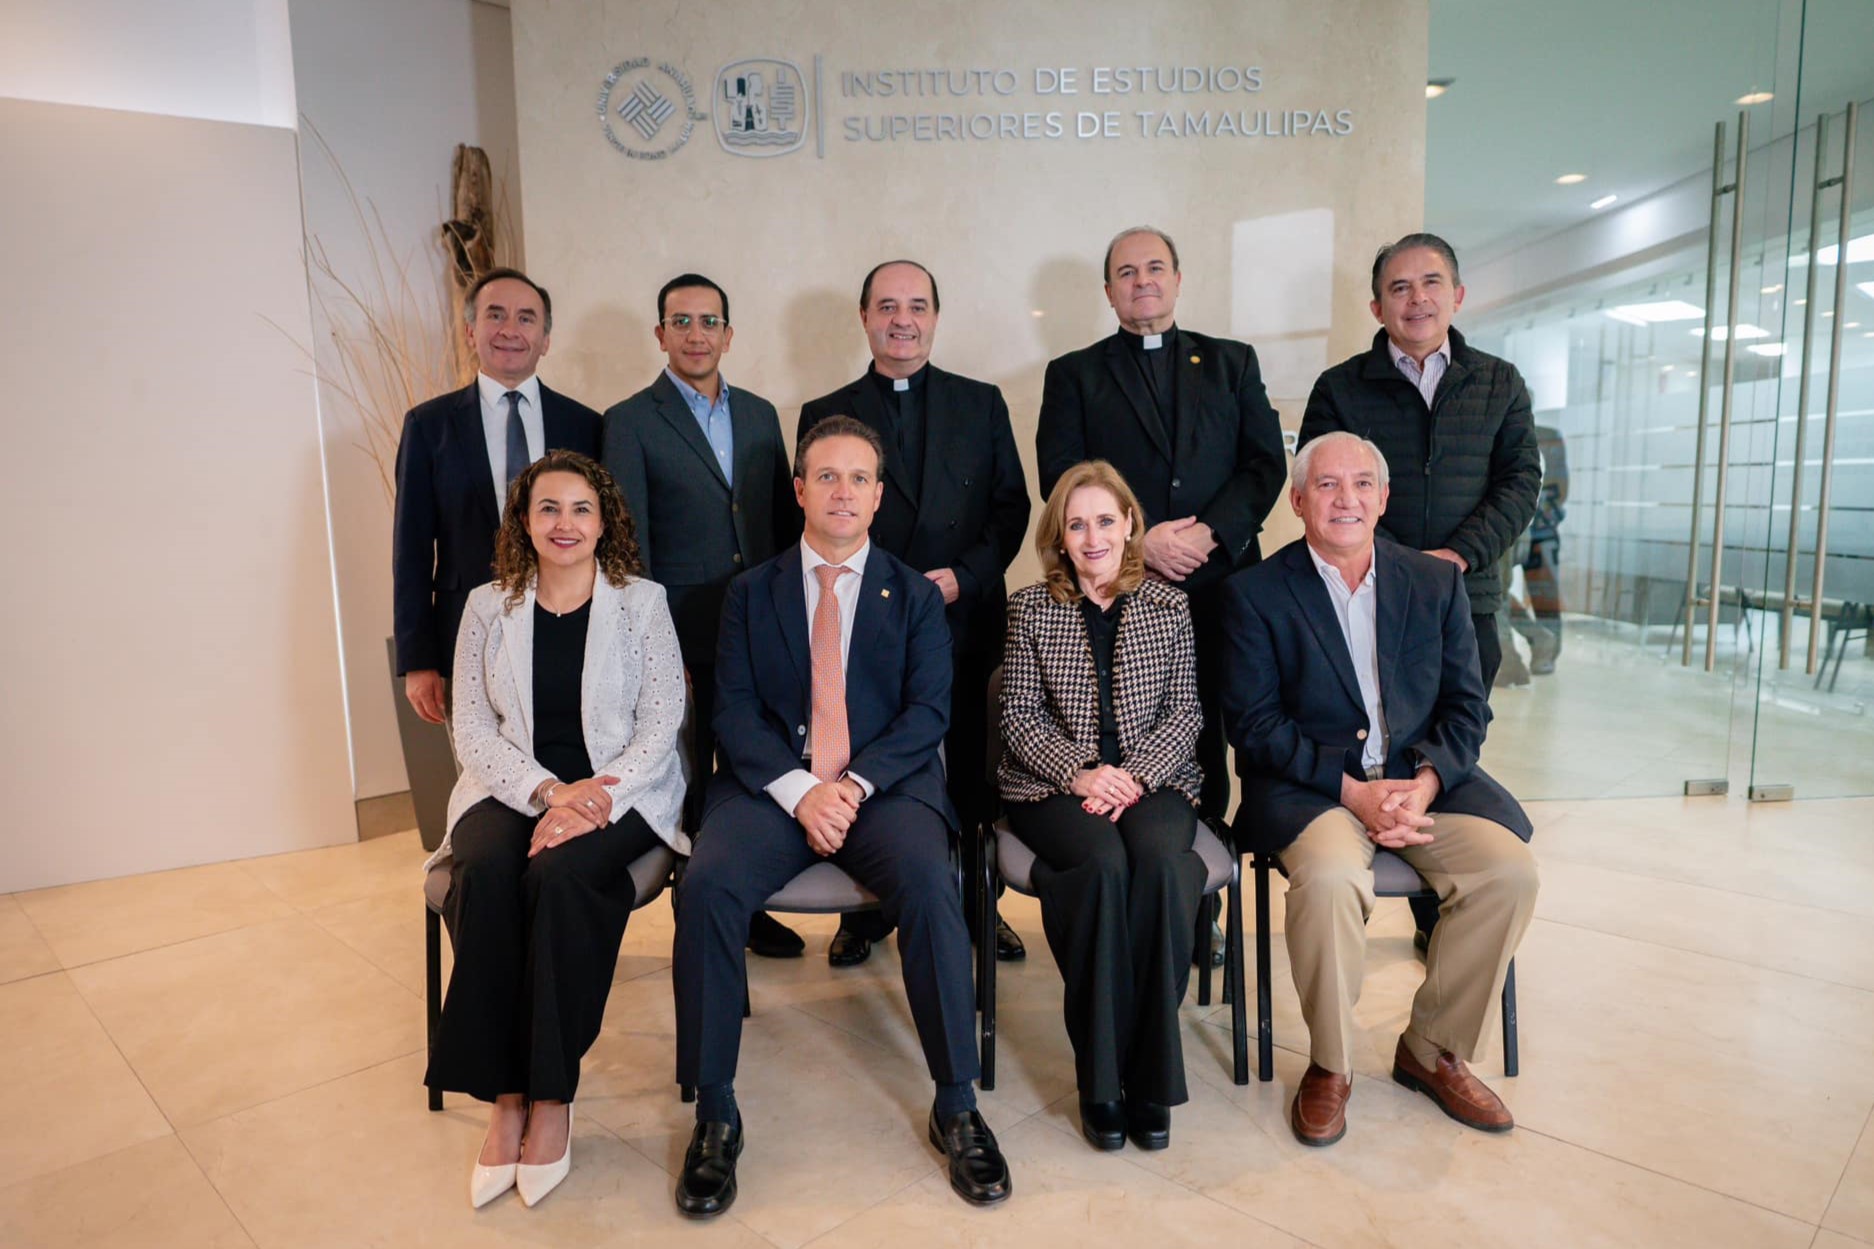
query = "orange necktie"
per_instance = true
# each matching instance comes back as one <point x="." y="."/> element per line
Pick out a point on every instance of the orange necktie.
<point x="832" y="748"/>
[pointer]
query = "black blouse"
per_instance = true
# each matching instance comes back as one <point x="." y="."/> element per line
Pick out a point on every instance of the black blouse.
<point x="559" y="664"/>
<point x="1103" y="634"/>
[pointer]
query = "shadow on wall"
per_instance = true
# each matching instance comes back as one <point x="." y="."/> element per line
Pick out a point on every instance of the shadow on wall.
<point x="586" y="360"/>
<point x="825" y="349"/>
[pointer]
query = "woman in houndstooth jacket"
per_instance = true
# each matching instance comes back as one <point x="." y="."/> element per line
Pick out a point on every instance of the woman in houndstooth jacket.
<point x="1099" y="722"/>
<point x="567" y="696"/>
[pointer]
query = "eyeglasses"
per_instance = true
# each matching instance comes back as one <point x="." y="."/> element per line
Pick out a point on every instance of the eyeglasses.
<point x="682" y="321"/>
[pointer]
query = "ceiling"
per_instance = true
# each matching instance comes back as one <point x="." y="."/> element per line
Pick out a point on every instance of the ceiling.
<point x="1624" y="91"/>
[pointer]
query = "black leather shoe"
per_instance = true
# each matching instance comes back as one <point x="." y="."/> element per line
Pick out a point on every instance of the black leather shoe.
<point x="978" y="1171"/>
<point x="1009" y="947"/>
<point x="1148" y="1124"/>
<point x="770" y="938"/>
<point x="848" y="949"/>
<point x="707" y="1186"/>
<point x="1103" y="1124"/>
<point x="1216" y="948"/>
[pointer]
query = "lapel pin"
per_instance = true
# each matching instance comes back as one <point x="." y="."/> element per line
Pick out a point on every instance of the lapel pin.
<point x="1197" y="359"/>
<point x="884" y="593"/>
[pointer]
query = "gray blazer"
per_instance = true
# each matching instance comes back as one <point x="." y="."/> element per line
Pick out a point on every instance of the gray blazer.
<point x="630" y="697"/>
<point x="694" y="531"/>
<point x="1051" y="695"/>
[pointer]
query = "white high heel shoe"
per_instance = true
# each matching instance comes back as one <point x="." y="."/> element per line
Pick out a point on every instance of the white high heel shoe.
<point x="487" y="1183"/>
<point x="536" y="1182"/>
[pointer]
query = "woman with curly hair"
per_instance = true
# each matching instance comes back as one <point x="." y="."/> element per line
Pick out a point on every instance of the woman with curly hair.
<point x="568" y="694"/>
<point x="1099" y="778"/>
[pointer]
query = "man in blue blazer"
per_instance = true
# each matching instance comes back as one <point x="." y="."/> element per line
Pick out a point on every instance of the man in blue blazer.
<point x="457" y="455"/>
<point x="1353" y="697"/>
<point x="832" y="697"/>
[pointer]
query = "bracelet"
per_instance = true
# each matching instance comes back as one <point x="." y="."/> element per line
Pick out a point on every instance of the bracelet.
<point x="546" y="799"/>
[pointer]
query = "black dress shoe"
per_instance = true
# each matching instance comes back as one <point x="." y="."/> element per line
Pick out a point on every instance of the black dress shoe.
<point x="848" y="949"/>
<point x="1216" y="948"/>
<point x="1103" y="1124"/>
<point x="707" y="1186"/>
<point x="770" y="938"/>
<point x="1009" y="947"/>
<point x="1148" y="1124"/>
<point x="978" y="1171"/>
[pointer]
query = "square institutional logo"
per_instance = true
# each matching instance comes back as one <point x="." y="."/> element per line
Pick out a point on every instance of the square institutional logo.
<point x="760" y="108"/>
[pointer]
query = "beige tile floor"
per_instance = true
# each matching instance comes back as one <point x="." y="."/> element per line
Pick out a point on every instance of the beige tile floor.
<point x="230" y="1056"/>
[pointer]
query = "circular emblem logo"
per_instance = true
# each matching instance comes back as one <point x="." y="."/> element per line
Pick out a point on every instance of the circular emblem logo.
<point x="647" y="108"/>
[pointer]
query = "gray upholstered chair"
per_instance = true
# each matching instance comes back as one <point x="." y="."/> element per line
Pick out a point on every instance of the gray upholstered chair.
<point x="1008" y="861"/>
<point x="1393" y="877"/>
<point x="650" y="874"/>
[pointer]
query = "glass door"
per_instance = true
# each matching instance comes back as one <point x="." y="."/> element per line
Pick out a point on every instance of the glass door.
<point x="1812" y="696"/>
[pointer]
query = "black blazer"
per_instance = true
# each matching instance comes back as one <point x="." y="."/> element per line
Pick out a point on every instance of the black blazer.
<point x="897" y="680"/>
<point x="970" y="511"/>
<point x="1292" y="705"/>
<point x="443" y="529"/>
<point x="694" y="532"/>
<point x="1228" y="466"/>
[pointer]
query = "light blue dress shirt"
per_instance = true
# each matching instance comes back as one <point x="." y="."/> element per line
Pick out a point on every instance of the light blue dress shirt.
<point x="714" y="418"/>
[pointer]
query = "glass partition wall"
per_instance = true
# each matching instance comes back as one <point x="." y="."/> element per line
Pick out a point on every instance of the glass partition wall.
<point x="1688" y="391"/>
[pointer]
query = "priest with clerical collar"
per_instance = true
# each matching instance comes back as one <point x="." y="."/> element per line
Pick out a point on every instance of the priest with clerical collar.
<point x="1185" y="419"/>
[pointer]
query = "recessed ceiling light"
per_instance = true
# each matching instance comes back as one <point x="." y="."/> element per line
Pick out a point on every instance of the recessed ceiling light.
<point x="1851" y="325"/>
<point x="1771" y="290"/>
<point x="1769" y="349"/>
<point x="1569" y="179"/>
<point x="1603" y="202"/>
<point x="1663" y="310"/>
<point x="1860" y="248"/>
<point x="1437" y="86"/>
<point x="1756" y="97"/>
<point x="1037" y="312"/>
<point x="1800" y="303"/>
<point x="1743" y="332"/>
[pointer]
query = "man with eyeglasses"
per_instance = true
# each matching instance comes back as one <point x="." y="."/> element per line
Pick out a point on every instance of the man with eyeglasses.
<point x="710" y="489"/>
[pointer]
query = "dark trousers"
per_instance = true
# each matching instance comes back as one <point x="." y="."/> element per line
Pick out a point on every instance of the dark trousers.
<point x="1489" y="649"/>
<point x="536" y="942"/>
<point x="702" y="744"/>
<point x="898" y="848"/>
<point x="1207" y="631"/>
<point x="966" y="776"/>
<point x="1119" y="905"/>
<point x="1542" y="577"/>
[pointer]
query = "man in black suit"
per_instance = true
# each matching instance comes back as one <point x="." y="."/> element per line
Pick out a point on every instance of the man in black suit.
<point x="955" y="508"/>
<point x="832" y="696"/>
<point x="457" y="455"/>
<point x="1357" y="709"/>
<point x="705" y="473"/>
<point x="1185" y="419"/>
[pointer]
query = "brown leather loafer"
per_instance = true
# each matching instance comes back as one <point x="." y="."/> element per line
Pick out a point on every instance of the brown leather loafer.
<point x="1319" y="1115"/>
<point x="1458" y="1093"/>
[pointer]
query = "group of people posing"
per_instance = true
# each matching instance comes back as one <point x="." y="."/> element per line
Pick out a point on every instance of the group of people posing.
<point x="567" y="584"/>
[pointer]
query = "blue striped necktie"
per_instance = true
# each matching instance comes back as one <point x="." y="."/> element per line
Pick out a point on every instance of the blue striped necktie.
<point x="518" y="458"/>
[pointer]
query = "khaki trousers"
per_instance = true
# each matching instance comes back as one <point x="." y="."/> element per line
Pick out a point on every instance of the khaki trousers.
<point x="1485" y="878"/>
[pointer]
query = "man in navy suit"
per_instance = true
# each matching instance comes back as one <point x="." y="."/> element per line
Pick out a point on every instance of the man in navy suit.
<point x="458" y="453"/>
<point x="832" y="697"/>
<point x="1355" y="702"/>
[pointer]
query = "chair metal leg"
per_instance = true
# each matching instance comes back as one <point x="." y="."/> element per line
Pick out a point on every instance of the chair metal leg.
<point x="986" y="964"/>
<point x="1265" y="1027"/>
<point x="432" y="985"/>
<point x="1511" y="1060"/>
<point x="1200" y="940"/>
<point x="1233" y="975"/>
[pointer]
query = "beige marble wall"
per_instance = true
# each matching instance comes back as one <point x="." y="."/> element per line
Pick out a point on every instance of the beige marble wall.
<point x="1276" y="233"/>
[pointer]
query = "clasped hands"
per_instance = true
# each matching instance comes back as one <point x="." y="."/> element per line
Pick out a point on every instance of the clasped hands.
<point x="573" y="810"/>
<point x="1107" y="790"/>
<point x="1174" y="549"/>
<point x="1394" y="813"/>
<point x="827" y="812"/>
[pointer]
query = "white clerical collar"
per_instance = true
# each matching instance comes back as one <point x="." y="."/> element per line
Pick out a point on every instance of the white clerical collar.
<point x="901" y="384"/>
<point x="1152" y="342"/>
